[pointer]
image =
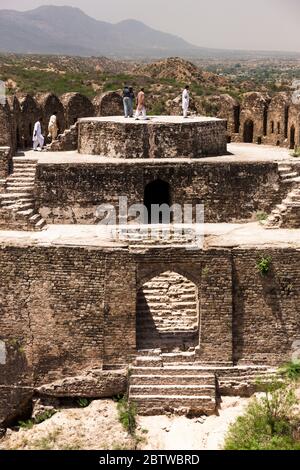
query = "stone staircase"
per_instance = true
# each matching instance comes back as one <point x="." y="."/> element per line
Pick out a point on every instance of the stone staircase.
<point x="179" y="383"/>
<point x="157" y="388"/>
<point x="66" y="141"/>
<point x="140" y="236"/>
<point x="17" y="201"/>
<point x="287" y="214"/>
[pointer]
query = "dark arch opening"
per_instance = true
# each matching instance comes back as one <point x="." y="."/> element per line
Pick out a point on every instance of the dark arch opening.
<point x="286" y="121"/>
<point x="248" y="131"/>
<point x="157" y="192"/>
<point x="29" y="137"/>
<point x="236" y="113"/>
<point x="292" y="137"/>
<point x="272" y="127"/>
<point x="18" y="138"/>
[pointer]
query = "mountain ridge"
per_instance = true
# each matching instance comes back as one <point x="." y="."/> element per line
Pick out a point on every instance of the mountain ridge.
<point x="68" y="30"/>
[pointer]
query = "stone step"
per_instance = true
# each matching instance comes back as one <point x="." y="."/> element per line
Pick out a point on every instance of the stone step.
<point x="283" y="168"/>
<point x="167" y="390"/>
<point x="24" y="166"/>
<point x="40" y="224"/>
<point x="25" y="213"/>
<point x="175" y="379"/>
<point x="205" y="369"/>
<point x="20" y="189"/>
<point x="159" y="404"/>
<point x="291" y="180"/>
<point x="292" y="174"/>
<point x="21" y="180"/>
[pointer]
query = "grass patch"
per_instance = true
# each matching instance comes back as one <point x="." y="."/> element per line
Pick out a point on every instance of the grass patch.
<point x="127" y="415"/>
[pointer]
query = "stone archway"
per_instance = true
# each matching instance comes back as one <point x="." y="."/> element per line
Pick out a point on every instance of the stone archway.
<point x="248" y="131"/>
<point x="168" y="313"/>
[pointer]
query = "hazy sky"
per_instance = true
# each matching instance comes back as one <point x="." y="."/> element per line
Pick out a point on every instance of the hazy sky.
<point x="234" y="24"/>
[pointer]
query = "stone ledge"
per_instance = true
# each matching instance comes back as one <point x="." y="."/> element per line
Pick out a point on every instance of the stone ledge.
<point x="91" y="384"/>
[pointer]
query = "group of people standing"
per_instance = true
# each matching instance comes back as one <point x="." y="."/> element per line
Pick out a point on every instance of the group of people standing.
<point x="129" y="98"/>
<point x="38" y="138"/>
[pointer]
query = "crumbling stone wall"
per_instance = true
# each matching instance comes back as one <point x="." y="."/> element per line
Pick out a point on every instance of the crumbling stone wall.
<point x="76" y="106"/>
<point x="108" y="104"/>
<point x="224" y="107"/>
<point x="294" y="126"/>
<point x="16" y="123"/>
<point x="278" y="113"/>
<point x="61" y="313"/>
<point x="71" y="193"/>
<point x="5" y="126"/>
<point x="253" y="117"/>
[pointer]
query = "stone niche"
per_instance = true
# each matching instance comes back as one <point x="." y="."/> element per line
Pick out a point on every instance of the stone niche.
<point x="157" y="137"/>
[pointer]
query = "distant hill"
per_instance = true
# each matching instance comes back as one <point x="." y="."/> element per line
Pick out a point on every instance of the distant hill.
<point x="68" y="30"/>
<point x="180" y="71"/>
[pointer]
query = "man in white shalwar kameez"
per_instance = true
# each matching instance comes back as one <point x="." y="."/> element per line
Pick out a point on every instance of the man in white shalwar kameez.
<point x="38" y="138"/>
<point x="186" y="101"/>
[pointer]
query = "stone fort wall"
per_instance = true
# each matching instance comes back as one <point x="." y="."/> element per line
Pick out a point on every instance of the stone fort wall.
<point x="257" y="118"/>
<point x="21" y="111"/>
<point x="65" y="310"/>
<point x="71" y="193"/>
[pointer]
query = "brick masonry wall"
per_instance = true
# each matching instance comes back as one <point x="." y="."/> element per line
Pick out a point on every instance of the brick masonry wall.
<point x="66" y="310"/>
<point x="71" y="193"/>
<point x="266" y="309"/>
<point x="152" y="139"/>
<point x="210" y="272"/>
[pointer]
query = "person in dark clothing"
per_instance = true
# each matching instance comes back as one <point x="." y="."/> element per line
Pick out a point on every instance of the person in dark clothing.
<point x="126" y="101"/>
<point x="132" y="98"/>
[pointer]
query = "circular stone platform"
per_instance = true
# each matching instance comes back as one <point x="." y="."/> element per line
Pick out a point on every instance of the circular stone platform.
<point x="157" y="137"/>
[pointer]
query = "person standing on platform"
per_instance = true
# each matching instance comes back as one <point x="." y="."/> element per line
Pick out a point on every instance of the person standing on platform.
<point x="186" y="101"/>
<point x="132" y="98"/>
<point x="38" y="138"/>
<point x="141" y="108"/>
<point x="53" y="127"/>
<point x="126" y="101"/>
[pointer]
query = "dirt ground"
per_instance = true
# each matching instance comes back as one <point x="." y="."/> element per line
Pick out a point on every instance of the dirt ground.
<point x="97" y="428"/>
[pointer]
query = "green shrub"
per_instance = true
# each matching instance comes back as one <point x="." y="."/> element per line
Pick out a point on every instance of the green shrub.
<point x="261" y="216"/>
<point x="296" y="152"/>
<point x="127" y="415"/>
<point x="267" y="423"/>
<point x="291" y="370"/>
<point x="264" y="265"/>
<point x="83" y="402"/>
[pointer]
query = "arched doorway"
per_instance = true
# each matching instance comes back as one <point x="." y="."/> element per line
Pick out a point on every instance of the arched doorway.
<point x="156" y="193"/>
<point x="248" y="131"/>
<point x="167" y="313"/>
<point x="292" y="137"/>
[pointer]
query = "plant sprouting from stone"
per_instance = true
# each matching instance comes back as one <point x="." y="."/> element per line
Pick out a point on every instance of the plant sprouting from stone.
<point x="264" y="265"/>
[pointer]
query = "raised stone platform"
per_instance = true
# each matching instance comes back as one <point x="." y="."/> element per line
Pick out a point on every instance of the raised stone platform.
<point x="157" y="137"/>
